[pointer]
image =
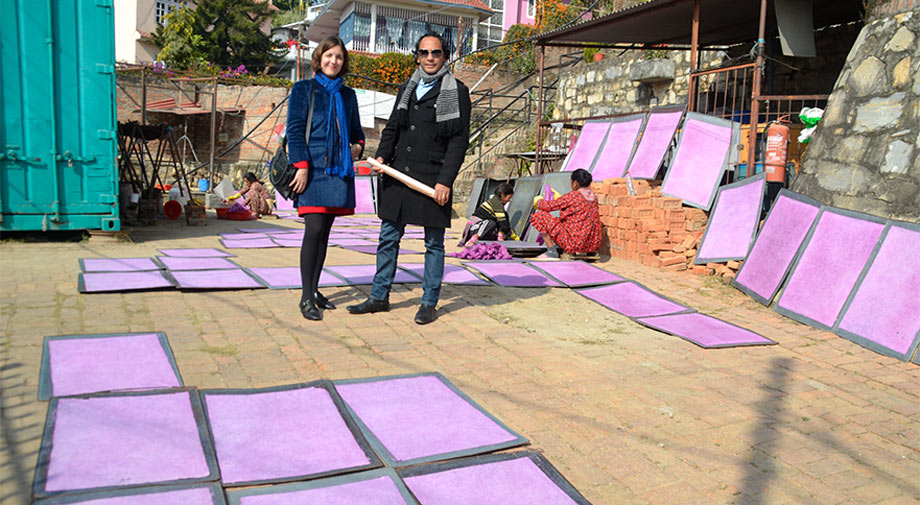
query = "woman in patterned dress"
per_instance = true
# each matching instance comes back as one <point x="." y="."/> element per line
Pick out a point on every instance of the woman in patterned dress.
<point x="578" y="227"/>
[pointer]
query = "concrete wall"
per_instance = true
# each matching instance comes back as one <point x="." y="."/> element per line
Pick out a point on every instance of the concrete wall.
<point x="865" y="154"/>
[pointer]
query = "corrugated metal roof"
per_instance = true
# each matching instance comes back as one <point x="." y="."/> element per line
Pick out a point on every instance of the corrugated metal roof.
<point x="722" y="22"/>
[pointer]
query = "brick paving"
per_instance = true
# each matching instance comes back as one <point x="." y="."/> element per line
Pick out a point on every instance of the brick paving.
<point x="627" y="414"/>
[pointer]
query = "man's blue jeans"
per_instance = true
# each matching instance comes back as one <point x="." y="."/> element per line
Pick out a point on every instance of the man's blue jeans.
<point x="388" y="253"/>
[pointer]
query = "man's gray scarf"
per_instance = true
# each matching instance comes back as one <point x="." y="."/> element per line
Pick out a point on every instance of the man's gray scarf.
<point x="447" y="113"/>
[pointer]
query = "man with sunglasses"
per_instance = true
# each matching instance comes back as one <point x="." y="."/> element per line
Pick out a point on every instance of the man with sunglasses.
<point x="426" y="138"/>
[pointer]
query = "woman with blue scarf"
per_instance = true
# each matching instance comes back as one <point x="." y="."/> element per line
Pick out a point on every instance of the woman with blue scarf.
<point x="325" y="180"/>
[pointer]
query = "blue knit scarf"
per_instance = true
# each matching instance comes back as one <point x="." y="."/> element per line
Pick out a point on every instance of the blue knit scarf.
<point x="338" y="149"/>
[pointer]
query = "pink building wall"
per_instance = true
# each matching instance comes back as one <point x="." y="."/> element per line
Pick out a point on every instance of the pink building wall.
<point x="516" y="13"/>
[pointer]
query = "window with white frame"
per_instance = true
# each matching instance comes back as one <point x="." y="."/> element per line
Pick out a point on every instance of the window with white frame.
<point x="491" y="30"/>
<point x="531" y="8"/>
<point x="163" y="7"/>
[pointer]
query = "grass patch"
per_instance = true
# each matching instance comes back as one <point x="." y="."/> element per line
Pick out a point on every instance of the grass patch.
<point x="224" y="350"/>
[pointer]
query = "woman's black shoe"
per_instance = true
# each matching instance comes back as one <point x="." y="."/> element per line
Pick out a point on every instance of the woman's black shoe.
<point x="323" y="302"/>
<point x="310" y="311"/>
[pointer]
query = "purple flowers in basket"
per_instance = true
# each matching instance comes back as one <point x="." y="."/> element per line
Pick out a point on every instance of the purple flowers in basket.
<point x="482" y="251"/>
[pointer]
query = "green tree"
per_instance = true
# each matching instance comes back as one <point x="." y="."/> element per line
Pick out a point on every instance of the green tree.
<point x="231" y="34"/>
<point x="180" y="46"/>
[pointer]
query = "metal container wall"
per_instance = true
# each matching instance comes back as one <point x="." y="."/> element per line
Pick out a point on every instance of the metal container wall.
<point x="58" y="167"/>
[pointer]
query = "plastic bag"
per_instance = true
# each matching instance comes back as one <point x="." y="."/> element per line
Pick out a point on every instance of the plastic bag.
<point x="810" y="116"/>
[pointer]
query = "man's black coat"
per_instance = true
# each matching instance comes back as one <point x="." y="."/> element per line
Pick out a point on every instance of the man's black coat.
<point x="413" y="150"/>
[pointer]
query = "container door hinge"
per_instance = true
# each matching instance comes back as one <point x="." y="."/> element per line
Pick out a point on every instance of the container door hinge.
<point x="105" y="134"/>
<point x="103" y="3"/>
<point x="102" y="68"/>
<point x="103" y="198"/>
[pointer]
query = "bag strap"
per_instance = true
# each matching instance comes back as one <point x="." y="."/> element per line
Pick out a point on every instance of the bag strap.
<point x="309" y="117"/>
<point x="309" y="124"/>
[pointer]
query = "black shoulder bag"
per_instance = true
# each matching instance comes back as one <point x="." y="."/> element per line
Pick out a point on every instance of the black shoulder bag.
<point x="282" y="172"/>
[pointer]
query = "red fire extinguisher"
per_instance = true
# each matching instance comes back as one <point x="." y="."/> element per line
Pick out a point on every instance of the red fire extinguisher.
<point x="776" y="135"/>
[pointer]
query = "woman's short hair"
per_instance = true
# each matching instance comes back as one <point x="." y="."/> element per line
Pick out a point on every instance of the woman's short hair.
<point x="582" y="177"/>
<point x="504" y="189"/>
<point x="326" y="44"/>
<point x="251" y="177"/>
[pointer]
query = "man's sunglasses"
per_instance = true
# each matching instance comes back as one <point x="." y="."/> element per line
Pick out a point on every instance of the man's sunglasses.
<point x="423" y="53"/>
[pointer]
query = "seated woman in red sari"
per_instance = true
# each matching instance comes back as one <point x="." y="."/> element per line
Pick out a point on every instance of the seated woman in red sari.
<point x="578" y="227"/>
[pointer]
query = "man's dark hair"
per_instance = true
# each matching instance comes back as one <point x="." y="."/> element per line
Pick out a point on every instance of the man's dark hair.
<point x="444" y="45"/>
<point x="582" y="177"/>
<point x="504" y="189"/>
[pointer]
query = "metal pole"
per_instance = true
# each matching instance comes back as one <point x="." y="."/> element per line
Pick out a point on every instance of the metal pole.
<point x="694" y="51"/>
<point x="540" y="110"/>
<point x="213" y="136"/>
<point x="144" y="96"/>
<point x="52" y="102"/>
<point x="755" y="92"/>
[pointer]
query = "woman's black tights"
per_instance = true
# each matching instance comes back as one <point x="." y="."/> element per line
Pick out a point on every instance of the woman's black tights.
<point x="313" y="251"/>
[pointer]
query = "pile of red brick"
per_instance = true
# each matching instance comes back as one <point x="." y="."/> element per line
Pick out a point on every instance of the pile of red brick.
<point x="653" y="229"/>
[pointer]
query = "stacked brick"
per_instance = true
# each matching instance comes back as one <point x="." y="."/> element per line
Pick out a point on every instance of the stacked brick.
<point x="648" y="227"/>
<point x="654" y="229"/>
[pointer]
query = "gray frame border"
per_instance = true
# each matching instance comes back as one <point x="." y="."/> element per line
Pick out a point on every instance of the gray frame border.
<point x="158" y="261"/>
<point x="495" y="262"/>
<point x="83" y="269"/>
<point x="265" y="283"/>
<point x="799" y="198"/>
<point x="261" y="285"/>
<point x="804" y="247"/>
<point x="486" y="282"/>
<point x="644" y="321"/>
<point x="46" y="388"/>
<point x="635" y="141"/>
<point x="536" y="264"/>
<point x="44" y="453"/>
<point x="352" y="284"/>
<point x="234" y="497"/>
<point x="521" y="226"/>
<point x="217" y="494"/>
<point x="661" y="109"/>
<point x="759" y="178"/>
<point x="565" y="163"/>
<point x="733" y="141"/>
<point x="225" y="254"/>
<point x="863" y="341"/>
<point x="347" y="416"/>
<point x="690" y="310"/>
<point x="388" y="458"/>
<point x="538" y="459"/>
<point x="81" y="283"/>
<point x="276" y="245"/>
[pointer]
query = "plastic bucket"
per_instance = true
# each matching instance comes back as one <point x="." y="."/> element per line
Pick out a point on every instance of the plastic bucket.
<point x="172" y="209"/>
<point x="204" y="185"/>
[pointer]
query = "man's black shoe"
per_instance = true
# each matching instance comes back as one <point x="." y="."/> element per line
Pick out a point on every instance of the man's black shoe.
<point x="323" y="302"/>
<point x="309" y="311"/>
<point x="369" y="306"/>
<point x="426" y="314"/>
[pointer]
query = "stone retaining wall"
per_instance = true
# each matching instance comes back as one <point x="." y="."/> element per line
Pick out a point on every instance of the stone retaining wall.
<point x="865" y="154"/>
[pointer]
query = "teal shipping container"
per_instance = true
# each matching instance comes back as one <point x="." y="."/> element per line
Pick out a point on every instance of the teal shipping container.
<point x="58" y="168"/>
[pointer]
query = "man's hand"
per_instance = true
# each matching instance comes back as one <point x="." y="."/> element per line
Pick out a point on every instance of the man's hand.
<point x="300" y="181"/>
<point x="441" y="193"/>
<point x="377" y="169"/>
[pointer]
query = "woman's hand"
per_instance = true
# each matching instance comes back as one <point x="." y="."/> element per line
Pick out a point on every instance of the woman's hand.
<point x="300" y="181"/>
<point x="356" y="151"/>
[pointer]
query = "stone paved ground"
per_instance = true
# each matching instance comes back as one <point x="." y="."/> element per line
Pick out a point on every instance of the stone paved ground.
<point x="629" y="415"/>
